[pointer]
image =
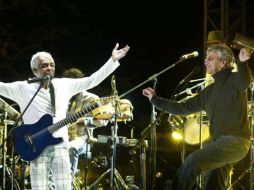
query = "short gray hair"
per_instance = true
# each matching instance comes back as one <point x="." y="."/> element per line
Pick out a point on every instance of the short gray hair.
<point x="35" y="59"/>
<point x="225" y="53"/>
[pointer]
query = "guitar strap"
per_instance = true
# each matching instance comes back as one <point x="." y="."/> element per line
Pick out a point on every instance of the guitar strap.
<point x="52" y="97"/>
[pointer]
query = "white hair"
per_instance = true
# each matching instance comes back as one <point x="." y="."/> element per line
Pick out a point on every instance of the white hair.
<point x="35" y="59"/>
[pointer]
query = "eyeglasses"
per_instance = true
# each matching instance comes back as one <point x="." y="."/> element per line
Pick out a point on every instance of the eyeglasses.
<point x="45" y="65"/>
<point x="211" y="58"/>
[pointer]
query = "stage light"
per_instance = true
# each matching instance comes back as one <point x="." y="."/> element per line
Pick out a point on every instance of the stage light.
<point x="158" y="175"/>
<point x="177" y="135"/>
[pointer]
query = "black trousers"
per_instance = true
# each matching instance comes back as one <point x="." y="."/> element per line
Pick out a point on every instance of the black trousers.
<point x="215" y="159"/>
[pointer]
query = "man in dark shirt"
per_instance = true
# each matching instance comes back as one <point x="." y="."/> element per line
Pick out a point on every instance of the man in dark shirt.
<point x="225" y="103"/>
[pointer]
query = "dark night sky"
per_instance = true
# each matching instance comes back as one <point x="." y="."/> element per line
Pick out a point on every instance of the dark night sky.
<point x="83" y="33"/>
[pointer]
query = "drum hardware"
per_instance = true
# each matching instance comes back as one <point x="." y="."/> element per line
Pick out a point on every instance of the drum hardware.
<point x="197" y="129"/>
<point x="119" y="140"/>
<point x="251" y="106"/>
<point x="238" y="178"/>
<point x="100" y="162"/>
<point x="119" y="182"/>
<point x="191" y="126"/>
<point x="90" y="140"/>
<point x="8" y="111"/>
<point x="202" y="79"/>
<point x="10" y="175"/>
<point x="188" y="90"/>
<point x="176" y="121"/>
<point x="11" y="112"/>
<point x="124" y="110"/>
<point x="77" y="182"/>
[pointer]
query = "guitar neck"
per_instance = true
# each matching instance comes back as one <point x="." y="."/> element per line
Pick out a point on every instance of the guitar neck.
<point x="82" y="112"/>
<point x="72" y="118"/>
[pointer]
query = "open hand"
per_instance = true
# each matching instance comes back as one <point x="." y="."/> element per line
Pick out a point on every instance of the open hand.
<point x="118" y="54"/>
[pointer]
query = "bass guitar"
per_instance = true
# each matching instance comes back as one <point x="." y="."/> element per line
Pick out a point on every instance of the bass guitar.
<point x="32" y="139"/>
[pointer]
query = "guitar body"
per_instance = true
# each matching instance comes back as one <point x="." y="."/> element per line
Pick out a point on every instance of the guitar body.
<point x="32" y="139"/>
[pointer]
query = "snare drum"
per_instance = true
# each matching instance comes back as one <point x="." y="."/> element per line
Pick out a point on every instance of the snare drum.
<point x="103" y="112"/>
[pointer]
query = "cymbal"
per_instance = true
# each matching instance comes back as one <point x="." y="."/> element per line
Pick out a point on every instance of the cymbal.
<point x="11" y="112"/>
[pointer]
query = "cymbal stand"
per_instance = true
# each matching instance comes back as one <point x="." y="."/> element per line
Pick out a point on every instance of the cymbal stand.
<point x="115" y="176"/>
<point x="200" y="146"/>
<point x="4" y="150"/>
<point x="143" y="147"/>
<point x="90" y="140"/>
<point x="202" y="86"/>
<point x="6" y="169"/>
<point x="114" y="139"/>
<point x="116" y="181"/>
<point x="252" y="128"/>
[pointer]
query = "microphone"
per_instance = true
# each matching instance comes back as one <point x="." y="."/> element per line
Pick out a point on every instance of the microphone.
<point x="188" y="56"/>
<point x="191" y="74"/>
<point x="39" y="79"/>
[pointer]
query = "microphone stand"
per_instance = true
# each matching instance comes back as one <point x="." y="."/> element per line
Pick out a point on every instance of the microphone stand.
<point x="141" y="142"/>
<point x="152" y="147"/>
<point x="152" y="77"/>
<point x="11" y="132"/>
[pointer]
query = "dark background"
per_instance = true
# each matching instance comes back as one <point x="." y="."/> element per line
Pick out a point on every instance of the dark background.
<point x="82" y="34"/>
